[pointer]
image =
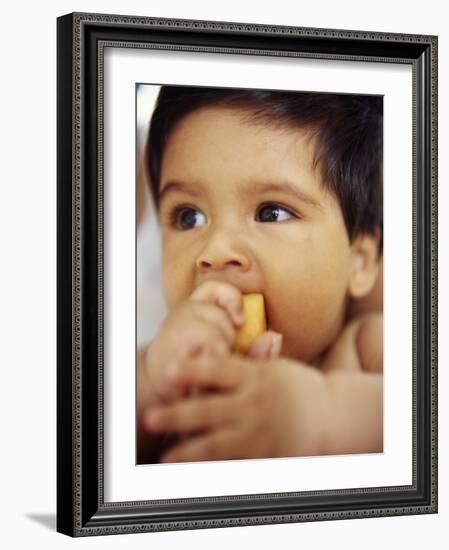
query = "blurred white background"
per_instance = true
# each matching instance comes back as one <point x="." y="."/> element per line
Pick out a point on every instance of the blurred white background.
<point x="28" y="290"/>
<point x="149" y="300"/>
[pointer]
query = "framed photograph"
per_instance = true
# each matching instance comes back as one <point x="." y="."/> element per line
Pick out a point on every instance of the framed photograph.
<point x="247" y="274"/>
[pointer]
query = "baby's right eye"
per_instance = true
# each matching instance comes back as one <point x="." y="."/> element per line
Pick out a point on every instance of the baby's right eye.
<point x="188" y="218"/>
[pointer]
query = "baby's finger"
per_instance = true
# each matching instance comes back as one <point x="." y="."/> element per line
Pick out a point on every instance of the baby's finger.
<point x="190" y="415"/>
<point x="206" y="371"/>
<point x="215" y="316"/>
<point x="224" y="295"/>
<point x="218" y="445"/>
<point x="266" y="346"/>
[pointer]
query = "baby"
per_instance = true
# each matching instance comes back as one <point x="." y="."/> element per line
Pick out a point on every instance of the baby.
<point x="278" y="193"/>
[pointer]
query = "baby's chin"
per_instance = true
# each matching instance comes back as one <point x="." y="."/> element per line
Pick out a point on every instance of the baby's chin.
<point x="295" y="347"/>
<point x="292" y="352"/>
<point x="312" y="352"/>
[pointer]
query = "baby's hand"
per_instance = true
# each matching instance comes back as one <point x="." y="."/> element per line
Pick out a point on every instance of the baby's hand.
<point x="260" y="409"/>
<point x="205" y="323"/>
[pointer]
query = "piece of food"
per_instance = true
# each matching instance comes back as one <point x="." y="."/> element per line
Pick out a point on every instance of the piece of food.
<point x="255" y="322"/>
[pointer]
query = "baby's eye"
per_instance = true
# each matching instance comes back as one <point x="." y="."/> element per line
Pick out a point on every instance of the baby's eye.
<point x="273" y="213"/>
<point x="188" y="218"/>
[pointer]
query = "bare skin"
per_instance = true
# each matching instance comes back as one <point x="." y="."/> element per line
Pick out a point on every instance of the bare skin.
<point x="203" y="326"/>
<point x="267" y="407"/>
<point x="245" y="211"/>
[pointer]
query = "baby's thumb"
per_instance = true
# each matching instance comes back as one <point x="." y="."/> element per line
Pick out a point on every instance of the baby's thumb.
<point x="266" y="346"/>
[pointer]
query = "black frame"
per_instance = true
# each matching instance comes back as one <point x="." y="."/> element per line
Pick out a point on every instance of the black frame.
<point x="81" y="510"/>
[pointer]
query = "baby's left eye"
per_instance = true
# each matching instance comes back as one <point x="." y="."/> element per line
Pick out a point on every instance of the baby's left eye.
<point x="273" y="213"/>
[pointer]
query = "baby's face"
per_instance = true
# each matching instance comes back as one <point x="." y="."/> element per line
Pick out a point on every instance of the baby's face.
<point x="242" y="203"/>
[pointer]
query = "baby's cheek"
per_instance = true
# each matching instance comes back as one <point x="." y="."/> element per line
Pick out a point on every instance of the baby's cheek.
<point x="308" y="322"/>
<point x="173" y="286"/>
<point x="299" y="334"/>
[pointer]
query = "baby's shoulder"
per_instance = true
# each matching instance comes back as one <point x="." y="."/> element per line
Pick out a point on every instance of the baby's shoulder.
<point x="369" y="342"/>
<point x="359" y="346"/>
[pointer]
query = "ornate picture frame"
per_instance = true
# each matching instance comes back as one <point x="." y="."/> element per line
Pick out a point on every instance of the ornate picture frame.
<point x="82" y="509"/>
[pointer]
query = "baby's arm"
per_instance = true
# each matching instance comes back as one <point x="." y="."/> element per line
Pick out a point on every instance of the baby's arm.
<point x="147" y="447"/>
<point x="353" y="368"/>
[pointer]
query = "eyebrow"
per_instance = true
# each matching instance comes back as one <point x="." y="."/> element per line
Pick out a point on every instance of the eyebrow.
<point x="281" y="186"/>
<point x="250" y="188"/>
<point x="180" y="186"/>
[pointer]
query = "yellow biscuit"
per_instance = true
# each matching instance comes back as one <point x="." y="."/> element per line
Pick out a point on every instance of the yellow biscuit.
<point x="255" y="322"/>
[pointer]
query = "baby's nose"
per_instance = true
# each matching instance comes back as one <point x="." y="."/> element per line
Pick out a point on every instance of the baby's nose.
<point x="222" y="255"/>
<point x="212" y="264"/>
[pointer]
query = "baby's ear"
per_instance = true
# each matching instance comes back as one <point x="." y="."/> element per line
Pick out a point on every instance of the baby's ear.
<point x="365" y="264"/>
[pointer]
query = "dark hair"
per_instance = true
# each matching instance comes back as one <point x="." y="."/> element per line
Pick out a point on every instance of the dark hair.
<point x="348" y="129"/>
